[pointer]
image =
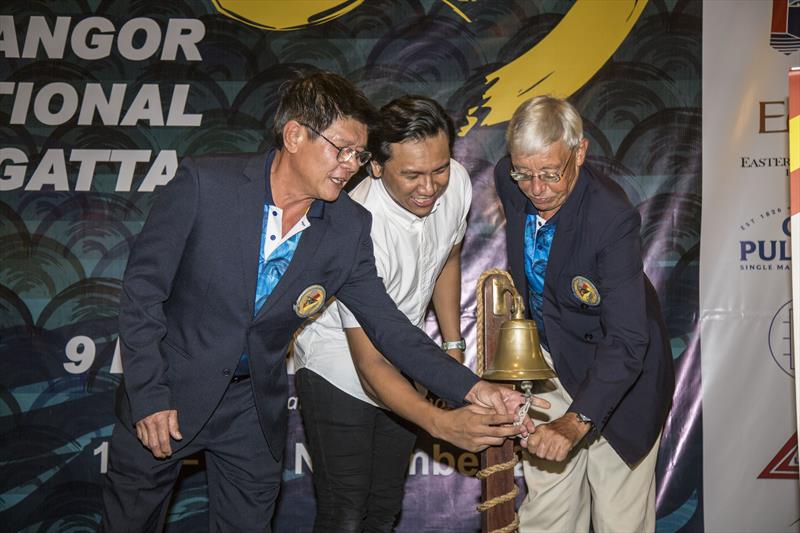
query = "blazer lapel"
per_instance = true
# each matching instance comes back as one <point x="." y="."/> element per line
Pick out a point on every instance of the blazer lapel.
<point x="304" y="255"/>
<point x="251" y="197"/>
<point x="514" y="204"/>
<point x="516" y="248"/>
<point x="564" y="239"/>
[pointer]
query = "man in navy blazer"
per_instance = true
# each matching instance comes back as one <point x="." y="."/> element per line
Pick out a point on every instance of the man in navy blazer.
<point x="236" y="254"/>
<point x="574" y="252"/>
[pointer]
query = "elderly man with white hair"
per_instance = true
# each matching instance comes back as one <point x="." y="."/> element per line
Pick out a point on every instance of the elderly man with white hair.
<point x="574" y="252"/>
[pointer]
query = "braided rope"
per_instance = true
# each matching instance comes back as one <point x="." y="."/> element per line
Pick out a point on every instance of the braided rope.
<point x="503" y="498"/>
<point x="510" y="527"/>
<point x="489" y="470"/>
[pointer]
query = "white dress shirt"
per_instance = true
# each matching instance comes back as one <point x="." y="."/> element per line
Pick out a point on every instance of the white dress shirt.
<point x="410" y="253"/>
<point x="275" y="236"/>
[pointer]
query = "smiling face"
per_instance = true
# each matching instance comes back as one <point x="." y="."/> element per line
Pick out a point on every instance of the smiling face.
<point x="322" y="175"/>
<point x="417" y="173"/>
<point x="548" y="198"/>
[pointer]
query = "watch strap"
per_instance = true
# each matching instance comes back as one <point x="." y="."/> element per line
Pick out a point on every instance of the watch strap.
<point x="461" y="344"/>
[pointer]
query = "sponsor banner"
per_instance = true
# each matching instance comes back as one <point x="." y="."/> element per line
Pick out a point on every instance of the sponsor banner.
<point x="748" y="371"/>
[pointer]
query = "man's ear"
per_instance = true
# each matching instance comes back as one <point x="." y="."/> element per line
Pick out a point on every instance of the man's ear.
<point x="377" y="169"/>
<point x="294" y="134"/>
<point x="580" y="157"/>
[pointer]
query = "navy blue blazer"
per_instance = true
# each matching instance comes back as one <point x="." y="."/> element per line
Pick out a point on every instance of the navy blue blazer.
<point x="614" y="357"/>
<point x="188" y="297"/>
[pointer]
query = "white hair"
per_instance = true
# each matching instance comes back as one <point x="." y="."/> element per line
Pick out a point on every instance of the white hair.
<point x="541" y="121"/>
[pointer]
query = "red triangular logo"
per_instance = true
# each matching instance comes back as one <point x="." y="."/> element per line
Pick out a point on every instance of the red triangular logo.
<point x="784" y="465"/>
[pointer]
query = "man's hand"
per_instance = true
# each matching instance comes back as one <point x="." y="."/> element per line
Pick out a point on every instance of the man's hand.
<point x="528" y="429"/>
<point x="553" y="441"/>
<point x="155" y="430"/>
<point x="473" y="427"/>
<point x="500" y="398"/>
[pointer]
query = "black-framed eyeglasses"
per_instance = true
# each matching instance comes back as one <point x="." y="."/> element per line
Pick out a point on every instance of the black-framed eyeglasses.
<point x="546" y="176"/>
<point x="347" y="153"/>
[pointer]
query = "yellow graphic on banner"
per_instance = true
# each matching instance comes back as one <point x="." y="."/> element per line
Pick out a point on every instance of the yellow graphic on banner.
<point x="562" y="62"/>
<point x="457" y="11"/>
<point x="559" y="64"/>
<point x="284" y="15"/>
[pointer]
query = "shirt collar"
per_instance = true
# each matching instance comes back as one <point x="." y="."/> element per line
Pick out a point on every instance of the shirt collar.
<point x="317" y="208"/>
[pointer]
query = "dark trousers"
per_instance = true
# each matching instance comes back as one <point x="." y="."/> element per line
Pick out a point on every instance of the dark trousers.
<point x="243" y="477"/>
<point x="360" y="454"/>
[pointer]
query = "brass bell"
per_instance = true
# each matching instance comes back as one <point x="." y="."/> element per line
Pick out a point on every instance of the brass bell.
<point x="518" y="356"/>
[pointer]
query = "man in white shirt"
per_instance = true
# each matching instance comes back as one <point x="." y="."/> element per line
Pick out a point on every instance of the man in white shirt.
<point x="419" y="207"/>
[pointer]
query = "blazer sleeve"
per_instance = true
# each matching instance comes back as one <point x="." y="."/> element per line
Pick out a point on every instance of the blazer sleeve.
<point x="619" y="356"/>
<point x="147" y="285"/>
<point x="402" y="343"/>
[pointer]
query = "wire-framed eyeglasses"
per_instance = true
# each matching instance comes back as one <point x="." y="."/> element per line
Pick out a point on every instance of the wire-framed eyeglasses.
<point x="545" y="176"/>
<point x="347" y="153"/>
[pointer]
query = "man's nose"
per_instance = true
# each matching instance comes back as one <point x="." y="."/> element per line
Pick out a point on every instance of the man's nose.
<point x="351" y="165"/>
<point x="533" y="186"/>
<point x="537" y="186"/>
<point x="425" y="186"/>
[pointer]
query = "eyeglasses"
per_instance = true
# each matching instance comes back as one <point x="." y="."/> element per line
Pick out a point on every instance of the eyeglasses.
<point x="546" y="177"/>
<point x="347" y="153"/>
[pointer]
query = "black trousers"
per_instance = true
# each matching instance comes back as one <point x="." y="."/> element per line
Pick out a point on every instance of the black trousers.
<point x="360" y="454"/>
<point x="243" y="477"/>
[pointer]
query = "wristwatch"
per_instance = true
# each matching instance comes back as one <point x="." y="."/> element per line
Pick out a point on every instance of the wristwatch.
<point x="461" y="344"/>
<point x="583" y="418"/>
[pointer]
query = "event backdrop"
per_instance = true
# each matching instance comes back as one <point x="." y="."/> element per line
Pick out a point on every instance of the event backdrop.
<point x="100" y="99"/>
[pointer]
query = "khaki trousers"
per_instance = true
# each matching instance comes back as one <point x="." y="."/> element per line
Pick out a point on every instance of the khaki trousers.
<point x="592" y="484"/>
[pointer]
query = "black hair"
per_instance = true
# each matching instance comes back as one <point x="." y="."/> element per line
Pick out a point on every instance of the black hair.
<point x="410" y="117"/>
<point x="319" y="99"/>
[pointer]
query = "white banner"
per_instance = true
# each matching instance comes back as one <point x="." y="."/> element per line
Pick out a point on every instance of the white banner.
<point x="749" y="432"/>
